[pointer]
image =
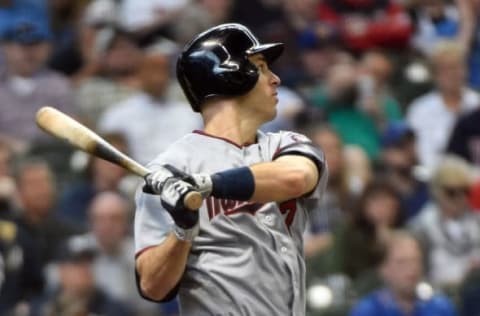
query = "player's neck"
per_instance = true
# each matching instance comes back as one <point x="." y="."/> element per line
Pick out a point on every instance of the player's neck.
<point x="224" y="119"/>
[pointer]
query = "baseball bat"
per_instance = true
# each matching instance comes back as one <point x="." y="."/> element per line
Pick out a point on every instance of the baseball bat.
<point x="64" y="127"/>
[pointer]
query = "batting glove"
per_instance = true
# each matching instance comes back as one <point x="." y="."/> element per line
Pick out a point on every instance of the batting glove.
<point x="203" y="184"/>
<point x="155" y="181"/>
<point x="186" y="221"/>
<point x="173" y="185"/>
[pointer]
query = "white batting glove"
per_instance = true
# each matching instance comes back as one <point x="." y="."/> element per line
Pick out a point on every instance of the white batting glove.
<point x="155" y="181"/>
<point x="173" y="192"/>
<point x="203" y="183"/>
<point x="186" y="221"/>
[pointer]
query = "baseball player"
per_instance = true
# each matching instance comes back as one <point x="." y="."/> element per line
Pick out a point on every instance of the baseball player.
<point x="241" y="253"/>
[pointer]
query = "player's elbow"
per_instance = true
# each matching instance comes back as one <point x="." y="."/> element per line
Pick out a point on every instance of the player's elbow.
<point x="155" y="291"/>
<point x="298" y="182"/>
<point x="299" y="175"/>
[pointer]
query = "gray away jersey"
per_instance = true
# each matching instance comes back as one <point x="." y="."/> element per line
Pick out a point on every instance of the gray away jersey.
<point x="248" y="257"/>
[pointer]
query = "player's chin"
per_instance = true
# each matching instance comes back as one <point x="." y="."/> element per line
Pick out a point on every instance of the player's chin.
<point x="272" y="113"/>
<point x="267" y="114"/>
<point x="275" y="98"/>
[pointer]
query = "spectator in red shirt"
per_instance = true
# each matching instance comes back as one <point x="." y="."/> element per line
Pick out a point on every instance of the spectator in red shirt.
<point x="366" y="24"/>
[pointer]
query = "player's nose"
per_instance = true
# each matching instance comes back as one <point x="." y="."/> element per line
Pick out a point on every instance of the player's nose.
<point x="274" y="80"/>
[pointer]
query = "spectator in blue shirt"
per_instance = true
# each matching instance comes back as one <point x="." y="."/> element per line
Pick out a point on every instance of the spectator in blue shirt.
<point x="401" y="271"/>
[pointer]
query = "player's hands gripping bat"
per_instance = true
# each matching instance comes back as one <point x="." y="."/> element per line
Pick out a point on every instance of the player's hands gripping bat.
<point x="66" y="128"/>
<point x="173" y="184"/>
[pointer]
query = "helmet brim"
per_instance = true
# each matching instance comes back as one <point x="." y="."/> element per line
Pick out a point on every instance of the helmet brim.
<point x="270" y="51"/>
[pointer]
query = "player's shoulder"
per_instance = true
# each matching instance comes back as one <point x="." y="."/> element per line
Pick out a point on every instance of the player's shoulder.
<point x="287" y="141"/>
<point x="177" y="153"/>
<point x="286" y="136"/>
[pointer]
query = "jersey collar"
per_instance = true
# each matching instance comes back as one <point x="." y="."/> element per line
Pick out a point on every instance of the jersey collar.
<point x="223" y="138"/>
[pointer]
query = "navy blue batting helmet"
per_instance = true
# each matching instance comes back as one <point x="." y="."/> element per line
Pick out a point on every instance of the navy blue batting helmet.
<point x="215" y="63"/>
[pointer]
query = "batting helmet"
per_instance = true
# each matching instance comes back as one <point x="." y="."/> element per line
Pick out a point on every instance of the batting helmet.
<point x="216" y="63"/>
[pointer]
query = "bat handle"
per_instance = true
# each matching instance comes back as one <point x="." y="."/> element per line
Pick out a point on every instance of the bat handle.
<point x="193" y="200"/>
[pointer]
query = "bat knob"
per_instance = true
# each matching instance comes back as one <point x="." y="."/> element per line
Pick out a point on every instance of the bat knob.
<point x="193" y="200"/>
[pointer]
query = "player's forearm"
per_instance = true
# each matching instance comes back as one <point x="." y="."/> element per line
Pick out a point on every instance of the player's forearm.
<point x="161" y="268"/>
<point x="286" y="178"/>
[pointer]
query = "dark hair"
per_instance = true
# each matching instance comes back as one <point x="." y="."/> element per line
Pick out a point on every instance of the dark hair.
<point x="25" y="162"/>
<point x="378" y="186"/>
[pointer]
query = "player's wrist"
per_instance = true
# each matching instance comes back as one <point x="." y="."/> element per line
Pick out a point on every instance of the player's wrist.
<point x="203" y="184"/>
<point x="186" y="234"/>
<point x="233" y="184"/>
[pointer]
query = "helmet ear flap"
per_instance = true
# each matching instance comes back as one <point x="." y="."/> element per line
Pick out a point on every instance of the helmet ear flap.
<point x="237" y="77"/>
<point x="204" y="76"/>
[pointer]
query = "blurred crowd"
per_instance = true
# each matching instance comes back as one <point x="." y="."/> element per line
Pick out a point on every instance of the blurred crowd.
<point x="388" y="88"/>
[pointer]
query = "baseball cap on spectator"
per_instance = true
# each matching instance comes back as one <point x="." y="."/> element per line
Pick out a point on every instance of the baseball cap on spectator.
<point x="396" y="134"/>
<point x="76" y="249"/>
<point x="26" y="31"/>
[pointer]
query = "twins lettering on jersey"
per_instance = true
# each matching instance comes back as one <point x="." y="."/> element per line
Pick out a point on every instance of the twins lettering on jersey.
<point x="230" y="207"/>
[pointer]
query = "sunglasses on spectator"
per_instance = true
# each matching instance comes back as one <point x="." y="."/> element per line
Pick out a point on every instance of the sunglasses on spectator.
<point x="452" y="192"/>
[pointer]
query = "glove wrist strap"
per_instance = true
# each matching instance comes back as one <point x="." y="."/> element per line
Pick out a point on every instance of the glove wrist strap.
<point x="186" y="234"/>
